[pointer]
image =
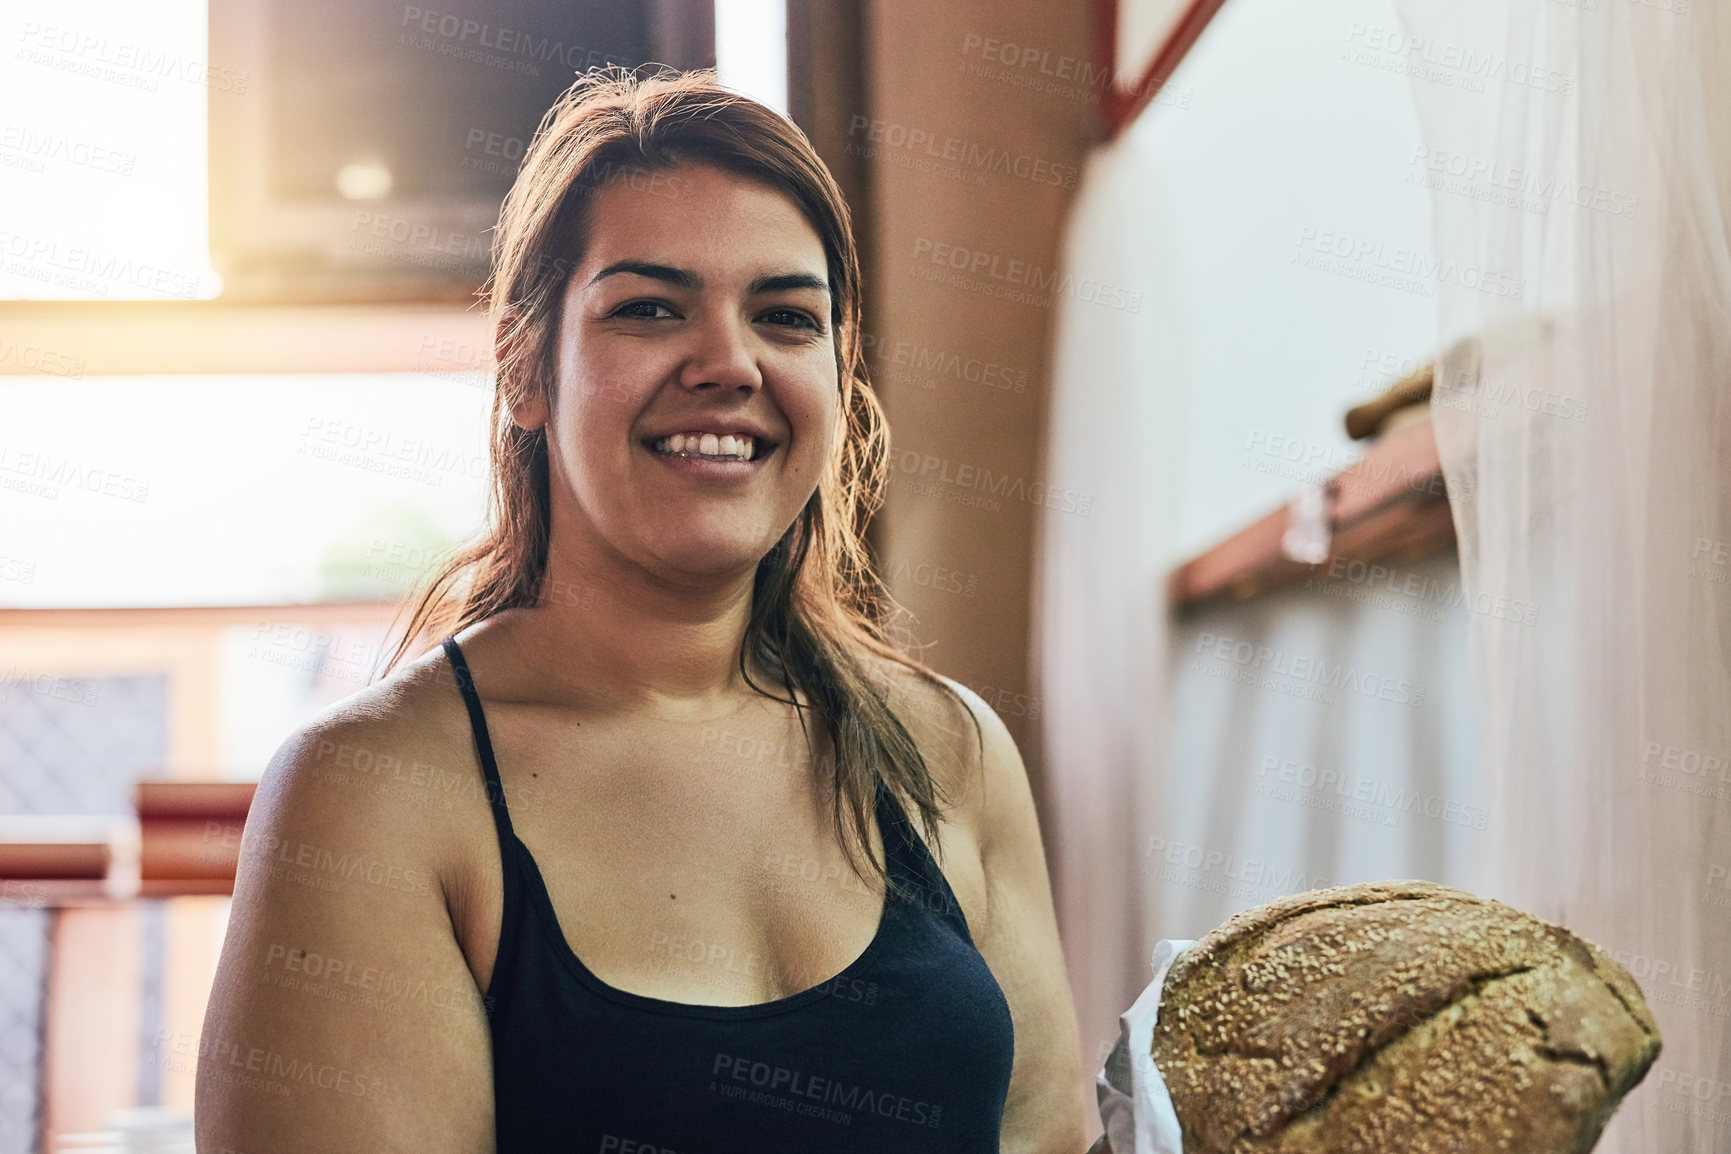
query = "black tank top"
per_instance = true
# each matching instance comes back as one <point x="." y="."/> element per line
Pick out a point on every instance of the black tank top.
<point x="908" y="1049"/>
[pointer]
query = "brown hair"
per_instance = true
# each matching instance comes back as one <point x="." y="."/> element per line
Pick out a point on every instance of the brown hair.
<point x="819" y="611"/>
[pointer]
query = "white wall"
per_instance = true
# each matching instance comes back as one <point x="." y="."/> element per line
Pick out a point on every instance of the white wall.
<point x="1214" y="210"/>
<point x="1270" y="129"/>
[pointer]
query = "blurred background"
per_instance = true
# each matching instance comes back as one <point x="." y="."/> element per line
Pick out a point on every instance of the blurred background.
<point x="1128" y="266"/>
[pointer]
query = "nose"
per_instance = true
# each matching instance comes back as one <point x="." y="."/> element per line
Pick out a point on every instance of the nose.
<point x="721" y="357"/>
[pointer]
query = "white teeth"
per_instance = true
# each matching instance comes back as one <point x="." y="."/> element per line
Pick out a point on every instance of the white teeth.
<point x="725" y="446"/>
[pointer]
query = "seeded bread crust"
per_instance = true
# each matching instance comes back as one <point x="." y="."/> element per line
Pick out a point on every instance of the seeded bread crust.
<point x="1397" y="1018"/>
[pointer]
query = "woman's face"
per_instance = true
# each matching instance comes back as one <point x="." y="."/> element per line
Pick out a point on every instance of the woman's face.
<point x="696" y="395"/>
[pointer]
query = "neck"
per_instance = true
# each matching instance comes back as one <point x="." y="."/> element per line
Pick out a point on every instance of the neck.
<point x="659" y="644"/>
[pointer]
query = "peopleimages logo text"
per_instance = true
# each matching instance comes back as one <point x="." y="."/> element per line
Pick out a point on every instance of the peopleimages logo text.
<point x="1370" y="254"/>
<point x="798" y="1084"/>
<point x="973" y="262"/>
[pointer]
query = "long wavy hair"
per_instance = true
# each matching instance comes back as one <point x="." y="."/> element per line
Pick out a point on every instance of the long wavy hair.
<point x="819" y="611"/>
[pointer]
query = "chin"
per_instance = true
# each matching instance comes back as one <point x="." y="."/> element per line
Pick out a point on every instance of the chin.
<point x="715" y="560"/>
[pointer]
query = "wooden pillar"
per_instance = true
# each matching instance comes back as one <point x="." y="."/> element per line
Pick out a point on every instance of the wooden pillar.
<point x="981" y="115"/>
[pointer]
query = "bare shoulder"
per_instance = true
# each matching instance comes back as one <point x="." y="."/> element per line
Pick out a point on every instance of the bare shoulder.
<point x="391" y="767"/>
<point x="964" y="741"/>
<point x="419" y="697"/>
<point x="344" y="1013"/>
<point x="383" y="758"/>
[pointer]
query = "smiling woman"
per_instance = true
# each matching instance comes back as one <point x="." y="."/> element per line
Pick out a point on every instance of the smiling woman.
<point x="668" y="941"/>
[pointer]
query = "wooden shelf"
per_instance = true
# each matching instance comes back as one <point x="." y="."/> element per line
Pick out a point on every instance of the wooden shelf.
<point x="1390" y="505"/>
<point x="185" y="840"/>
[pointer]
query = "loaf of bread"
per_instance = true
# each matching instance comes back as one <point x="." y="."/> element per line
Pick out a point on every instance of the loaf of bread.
<point x="1397" y="1018"/>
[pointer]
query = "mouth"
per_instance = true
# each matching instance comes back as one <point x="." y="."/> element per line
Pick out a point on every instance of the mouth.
<point x="723" y="448"/>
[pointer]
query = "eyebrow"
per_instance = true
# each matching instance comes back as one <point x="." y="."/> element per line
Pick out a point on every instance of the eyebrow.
<point x="686" y="279"/>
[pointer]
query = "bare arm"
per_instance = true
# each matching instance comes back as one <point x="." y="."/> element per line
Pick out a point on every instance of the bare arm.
<point x="1019" y="940"/>
<point x="344" y="1016"/>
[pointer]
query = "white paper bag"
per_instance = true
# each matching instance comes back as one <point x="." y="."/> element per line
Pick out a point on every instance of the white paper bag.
<point x="1134" y="1105"/>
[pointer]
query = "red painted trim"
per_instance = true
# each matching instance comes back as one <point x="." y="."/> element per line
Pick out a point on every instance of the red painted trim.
<point x="1119" y="107"/>
<point x="1106" y="51"/>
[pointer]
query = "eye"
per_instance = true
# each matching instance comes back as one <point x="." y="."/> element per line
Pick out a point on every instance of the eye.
<point x="641" y="310"/>
<point x="792" y="318"/>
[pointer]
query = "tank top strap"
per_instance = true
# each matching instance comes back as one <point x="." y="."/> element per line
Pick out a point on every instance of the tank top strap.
<point x="916" y="874"/>
<point x="483" y="743"/>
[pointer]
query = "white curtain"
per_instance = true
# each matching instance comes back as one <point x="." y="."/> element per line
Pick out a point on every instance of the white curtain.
<point x="1099" y="635"/>
<point x="1579" y="156"/>
<point x="1151" y="413"/>
<point x="1156" y="412"/>
<point x="1321" y="735"/>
